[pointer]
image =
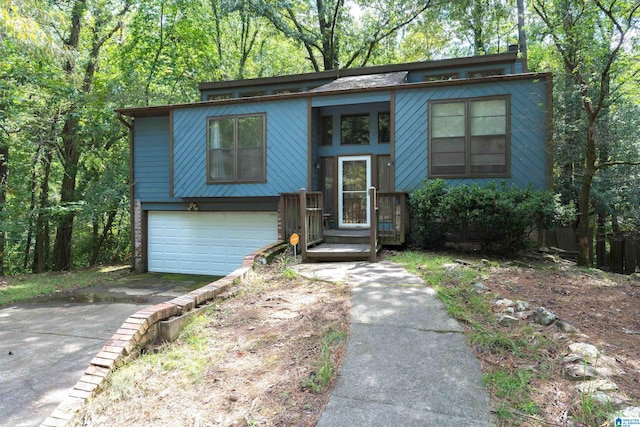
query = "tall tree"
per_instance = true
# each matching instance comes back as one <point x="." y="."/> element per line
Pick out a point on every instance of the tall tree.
<point x="593" y="41"/>
<point x="334" y="37"/>
<point x="102" y="20"/>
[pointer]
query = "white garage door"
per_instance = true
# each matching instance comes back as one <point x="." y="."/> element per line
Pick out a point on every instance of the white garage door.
<point x="206" y="242"/>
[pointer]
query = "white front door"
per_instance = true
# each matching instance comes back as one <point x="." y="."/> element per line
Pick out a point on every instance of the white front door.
<point x="354" y="180"/>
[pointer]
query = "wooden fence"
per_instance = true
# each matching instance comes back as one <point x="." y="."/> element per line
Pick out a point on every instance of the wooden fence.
<point x="617" y="252"/>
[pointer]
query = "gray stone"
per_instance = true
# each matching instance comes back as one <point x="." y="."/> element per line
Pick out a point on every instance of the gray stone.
<point x="630" y="412"/>
<point x="585" y="350"/>
<point x="506" y="320"/>
<point x="504" y="303"/>
<point x="523" y="315"/>
<point x="567" y="327"/>
<point x="543" y="317"/>
<point x="480" y="287"/>
<point x="522" y="305"/>
<point x="579" y="371"/>
<point x="601" y="384"/>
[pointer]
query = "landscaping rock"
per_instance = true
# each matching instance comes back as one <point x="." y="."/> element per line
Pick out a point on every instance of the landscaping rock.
<point x="630" y="412"/>
<point x="586" y="351"/>
<point x="504" y="303"/>
<point x="522" y="305"/>
<point x="479" y="287"/>
<point x="523" y="315"/>
<point x="450" y="267"/>
<point x="567" y="327"/>
<point x="543" y="317"/>
<point x="601" y="384"/>
<point x="579" y="371"/>
<point x="506" y="320"/>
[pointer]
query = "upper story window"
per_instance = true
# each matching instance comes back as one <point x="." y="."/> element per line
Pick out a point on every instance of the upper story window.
<point x="252" y="93"/>
<point x="485" y="73"/>
<point x="384" y="128"/>
<point x="219" y="96"/>
<point x="469" y="137"/>
<point x="354" y="129"/>
<point x="326" y="130"/>
<point x="441" y="76"/>
<point x="236" y="149"/>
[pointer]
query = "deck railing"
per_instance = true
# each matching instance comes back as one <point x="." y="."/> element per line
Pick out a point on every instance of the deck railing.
<point x="391" y="218"/>
<point x="301" y="213"/>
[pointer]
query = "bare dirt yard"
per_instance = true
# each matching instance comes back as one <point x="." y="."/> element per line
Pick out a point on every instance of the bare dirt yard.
<point x="264" y="357"/>
<point x="604" y="307"/>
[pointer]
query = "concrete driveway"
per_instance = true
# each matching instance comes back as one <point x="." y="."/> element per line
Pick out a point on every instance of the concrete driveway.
<point x="45" y="346"/>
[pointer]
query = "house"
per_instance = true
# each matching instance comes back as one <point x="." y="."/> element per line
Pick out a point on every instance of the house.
<point x="210" y="179"/>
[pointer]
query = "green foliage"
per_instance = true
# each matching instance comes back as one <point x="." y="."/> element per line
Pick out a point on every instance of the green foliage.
<point x="502" y="216"/>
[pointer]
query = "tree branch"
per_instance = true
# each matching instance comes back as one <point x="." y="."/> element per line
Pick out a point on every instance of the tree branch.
<point x="618" y="163"/>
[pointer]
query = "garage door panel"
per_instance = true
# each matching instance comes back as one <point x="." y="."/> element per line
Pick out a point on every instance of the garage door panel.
<point x="206" y="242"/>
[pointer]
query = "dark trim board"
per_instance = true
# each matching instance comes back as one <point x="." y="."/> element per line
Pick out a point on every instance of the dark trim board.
<point x="221" y="204"/>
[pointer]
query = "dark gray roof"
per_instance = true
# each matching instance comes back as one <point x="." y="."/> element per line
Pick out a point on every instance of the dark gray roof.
<point x="364" y="81"/>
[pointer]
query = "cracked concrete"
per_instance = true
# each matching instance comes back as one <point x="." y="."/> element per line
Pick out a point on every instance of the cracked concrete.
<point x="408" y="362"/>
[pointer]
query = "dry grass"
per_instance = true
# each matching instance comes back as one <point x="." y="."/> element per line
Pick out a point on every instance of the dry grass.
<point x="248" y="362"/>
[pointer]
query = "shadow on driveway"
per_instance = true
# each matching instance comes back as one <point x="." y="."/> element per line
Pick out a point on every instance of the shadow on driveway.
<point x="46" y="345"/>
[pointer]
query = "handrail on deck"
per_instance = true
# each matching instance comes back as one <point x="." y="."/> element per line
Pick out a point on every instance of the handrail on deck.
<point x="302" y="213"/>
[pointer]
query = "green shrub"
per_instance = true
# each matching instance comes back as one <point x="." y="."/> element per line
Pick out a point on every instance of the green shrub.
<point x="502" y="216"/>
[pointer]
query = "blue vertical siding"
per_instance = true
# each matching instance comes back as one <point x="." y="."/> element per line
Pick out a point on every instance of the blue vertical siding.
<point x="151" y="159"/>
<point x="528" y="131"/>
<point x="286" y="145"/>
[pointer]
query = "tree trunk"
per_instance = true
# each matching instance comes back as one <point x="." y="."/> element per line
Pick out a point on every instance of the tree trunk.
<point x="4" y="180"/>
<point x="41" y="250"/>
<point x="522" y="36"/>
<point x="584" y="241"/>
<point x="103" y="237"/>
<point x="71" y="157"/>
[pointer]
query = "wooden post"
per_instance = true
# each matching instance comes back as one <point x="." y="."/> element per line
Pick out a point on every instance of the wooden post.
<point x="373" y="233"/>
<point x="303" y="224"/>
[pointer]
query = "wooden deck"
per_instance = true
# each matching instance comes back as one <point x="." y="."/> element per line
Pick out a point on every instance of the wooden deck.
<point x="342" y="245"/>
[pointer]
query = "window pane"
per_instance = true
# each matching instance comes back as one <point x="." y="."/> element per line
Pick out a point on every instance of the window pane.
<point x="326" y="130"/>
<point x="448" y="156"/>
<point x="250" y="164"/>
<point x="488" y="155"/>
<point x="384" y="128"/>
<point x="488" y="117"/>
<point x="354" y="129"/>
<point x="447" y="120"/>
<point x="221" y="133"/>
<point x="446" y="110"/>
<point x="250" y="131"/>
<point x="221" y="165"/>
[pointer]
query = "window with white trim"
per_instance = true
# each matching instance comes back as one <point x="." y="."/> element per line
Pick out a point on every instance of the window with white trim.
<point x="236" y="149"/>
<point x="469" y="137"/>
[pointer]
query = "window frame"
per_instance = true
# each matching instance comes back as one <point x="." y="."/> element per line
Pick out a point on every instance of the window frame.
<point x="236" y="118"/>
<point x="468" y="138"/>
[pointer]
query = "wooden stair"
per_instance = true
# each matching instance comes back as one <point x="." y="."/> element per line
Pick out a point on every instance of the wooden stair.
<point x="342" y="245"/>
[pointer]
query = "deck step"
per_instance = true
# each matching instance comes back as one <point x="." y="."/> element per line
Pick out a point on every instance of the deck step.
<point x="339" y="252"/>
<point x="347" y="236"/>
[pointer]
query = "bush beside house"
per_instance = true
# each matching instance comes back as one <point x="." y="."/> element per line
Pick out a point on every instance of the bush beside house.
<point x="501" y="217"/>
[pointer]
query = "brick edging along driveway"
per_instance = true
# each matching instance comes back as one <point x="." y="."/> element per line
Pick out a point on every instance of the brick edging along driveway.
<point x="140" y="329"/>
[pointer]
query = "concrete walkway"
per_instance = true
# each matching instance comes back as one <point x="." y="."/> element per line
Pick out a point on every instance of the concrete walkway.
<point x="407" y="362"/>
<point x="46" y="345"/>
